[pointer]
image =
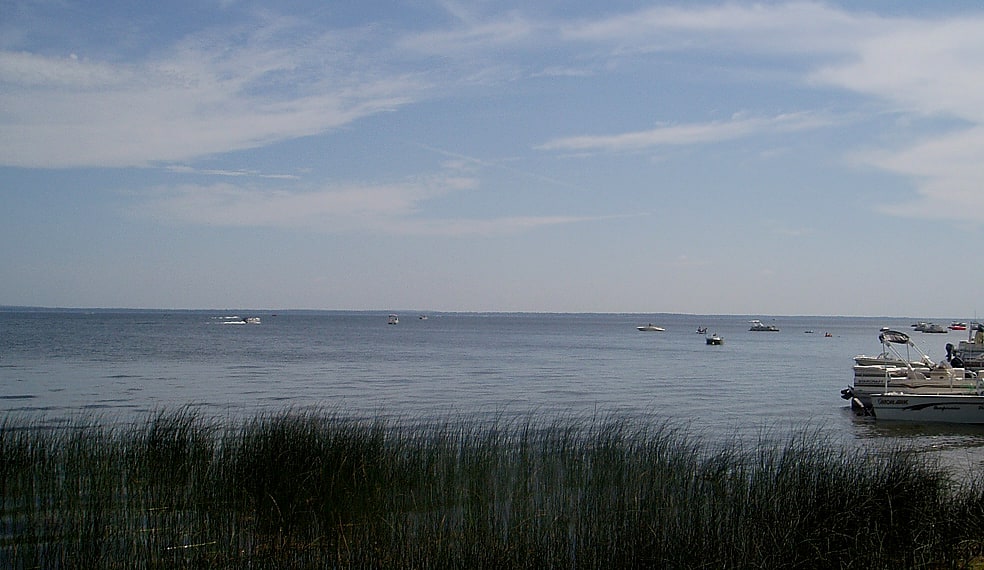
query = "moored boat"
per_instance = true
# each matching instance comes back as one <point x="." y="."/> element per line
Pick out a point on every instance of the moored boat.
<point x="929" y="327"/>
<point x="393" y="320"/>
<point x="650" y="328"/>
<point x="969" y="353"/>
<point x="891" y="371"/>
<point x="714" y="339"/>
<point x="945" y="408"/>
<point x="759" y="326"/>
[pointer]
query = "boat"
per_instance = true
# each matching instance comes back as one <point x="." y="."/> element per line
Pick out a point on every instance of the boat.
<point x="969" y="353"/>
<point x="891" y="371"/>
<point x="714" y="339"/>
<point x="650" y="328"/>
<point x="758" y="326"/>
<point x="702" y="330"/>
<point x="929" y="327"/>
<point x="393" y="320"/>
<point x="240" y="320"/>
<point x="944" y="408"/>
<point x="957" y="326"/>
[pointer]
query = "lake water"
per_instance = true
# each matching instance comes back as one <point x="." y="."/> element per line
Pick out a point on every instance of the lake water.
<point x="125" y="364"/>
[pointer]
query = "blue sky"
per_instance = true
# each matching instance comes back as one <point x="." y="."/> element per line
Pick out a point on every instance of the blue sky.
<point x="696" y="157"/>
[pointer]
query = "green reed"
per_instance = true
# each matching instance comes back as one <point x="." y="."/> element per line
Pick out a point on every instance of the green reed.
<point x="321" y="489"/>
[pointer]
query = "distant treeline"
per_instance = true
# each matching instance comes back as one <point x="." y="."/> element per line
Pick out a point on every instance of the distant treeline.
<point x="304" y="489"/>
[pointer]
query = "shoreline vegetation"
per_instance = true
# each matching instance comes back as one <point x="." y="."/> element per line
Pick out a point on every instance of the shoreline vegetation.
<point x="318" y="489"/>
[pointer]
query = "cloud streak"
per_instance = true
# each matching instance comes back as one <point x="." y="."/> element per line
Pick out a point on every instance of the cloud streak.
<point x="689" y="134"/>
<point x="393" y="209"/>
<point x="61" y="112"/>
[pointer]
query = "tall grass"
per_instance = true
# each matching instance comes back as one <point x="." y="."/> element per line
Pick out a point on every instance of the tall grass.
<point x="320" y="489"/>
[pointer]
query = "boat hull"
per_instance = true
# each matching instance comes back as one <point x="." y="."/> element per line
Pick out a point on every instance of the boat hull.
<point x="931" y="408"/>
<point x="872" y="379"/>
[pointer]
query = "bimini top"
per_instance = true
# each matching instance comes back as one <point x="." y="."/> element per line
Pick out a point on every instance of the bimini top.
<point x="894" y="336"/>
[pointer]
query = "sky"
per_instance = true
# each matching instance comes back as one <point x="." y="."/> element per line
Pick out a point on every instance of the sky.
<point x="768" y="158"/>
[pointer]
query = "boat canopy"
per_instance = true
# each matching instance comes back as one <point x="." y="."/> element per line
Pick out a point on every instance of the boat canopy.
<point x="894" y="336"/>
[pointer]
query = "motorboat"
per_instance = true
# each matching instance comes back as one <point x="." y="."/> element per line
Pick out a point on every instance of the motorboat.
<point x="393" y="320"/>
<point x="891" y="371"/>
<point x="759" y="326"/>
<point x="945" y="408"/>
<point x="929" y="327"/>
<point x="957" y="326"/>
<point x="650" y="328"/>
<point x="240" y="320"/>
<point x="969" y="353"/>
<point x="714" y="339"/>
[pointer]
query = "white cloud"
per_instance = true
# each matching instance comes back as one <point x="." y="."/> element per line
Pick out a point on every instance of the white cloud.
<point x="473" y="37"/>
<point x="688" y="134"/>
<point x="797" y="27"/>
<point x="930" y="68"/>
<point x="340" y="207"/>
<point x="208" y="95"/>
<point x="393" y="209"/>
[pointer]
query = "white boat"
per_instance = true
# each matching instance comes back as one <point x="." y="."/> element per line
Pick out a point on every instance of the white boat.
<point x="714" y="339"/>
<point x="650" y="328"/>
<point x="758" y="326"/>
<point x="892" y="371"/>
<point x="969" y="353"/>
<point x="393" y="320"/>
<point x="240" y="320"/>
<point x="945" y="408"/>
<point x="930" y="327"/>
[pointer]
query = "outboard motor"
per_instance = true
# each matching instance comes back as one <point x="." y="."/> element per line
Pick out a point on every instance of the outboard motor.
<point x="847" y="393"/>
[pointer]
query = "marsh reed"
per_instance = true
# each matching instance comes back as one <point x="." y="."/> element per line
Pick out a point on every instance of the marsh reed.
<point x="313" y="489"/>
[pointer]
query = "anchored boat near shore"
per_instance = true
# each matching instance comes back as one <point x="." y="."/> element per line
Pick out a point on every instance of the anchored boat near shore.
<point x="930" y="408"/>
<point x="893" y="372"/>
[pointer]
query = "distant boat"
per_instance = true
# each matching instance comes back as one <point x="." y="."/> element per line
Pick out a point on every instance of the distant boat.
<point x="758" y="326"/>
<point x="701" y="330"/>
<point x="650" y="328"/>
<point x="423" y="317"/>
<point x="714" y="339"/>
<point x="929" y="327"/>
<point x="393" y="320"/>
<point x="240" y="320"/>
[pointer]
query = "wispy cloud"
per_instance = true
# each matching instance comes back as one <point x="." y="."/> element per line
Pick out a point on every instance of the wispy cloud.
<point x="393" y="209"/>
<point x="928" y="68"/>
<point x="340" y="207"/>
<point x="230" y="173"/>
<point x="208" y="94"/>
<point x="795" y="27"/>
<point x="688" y="134"/>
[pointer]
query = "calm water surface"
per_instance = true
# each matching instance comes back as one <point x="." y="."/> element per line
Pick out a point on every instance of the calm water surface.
<point x="125" y="364"/>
